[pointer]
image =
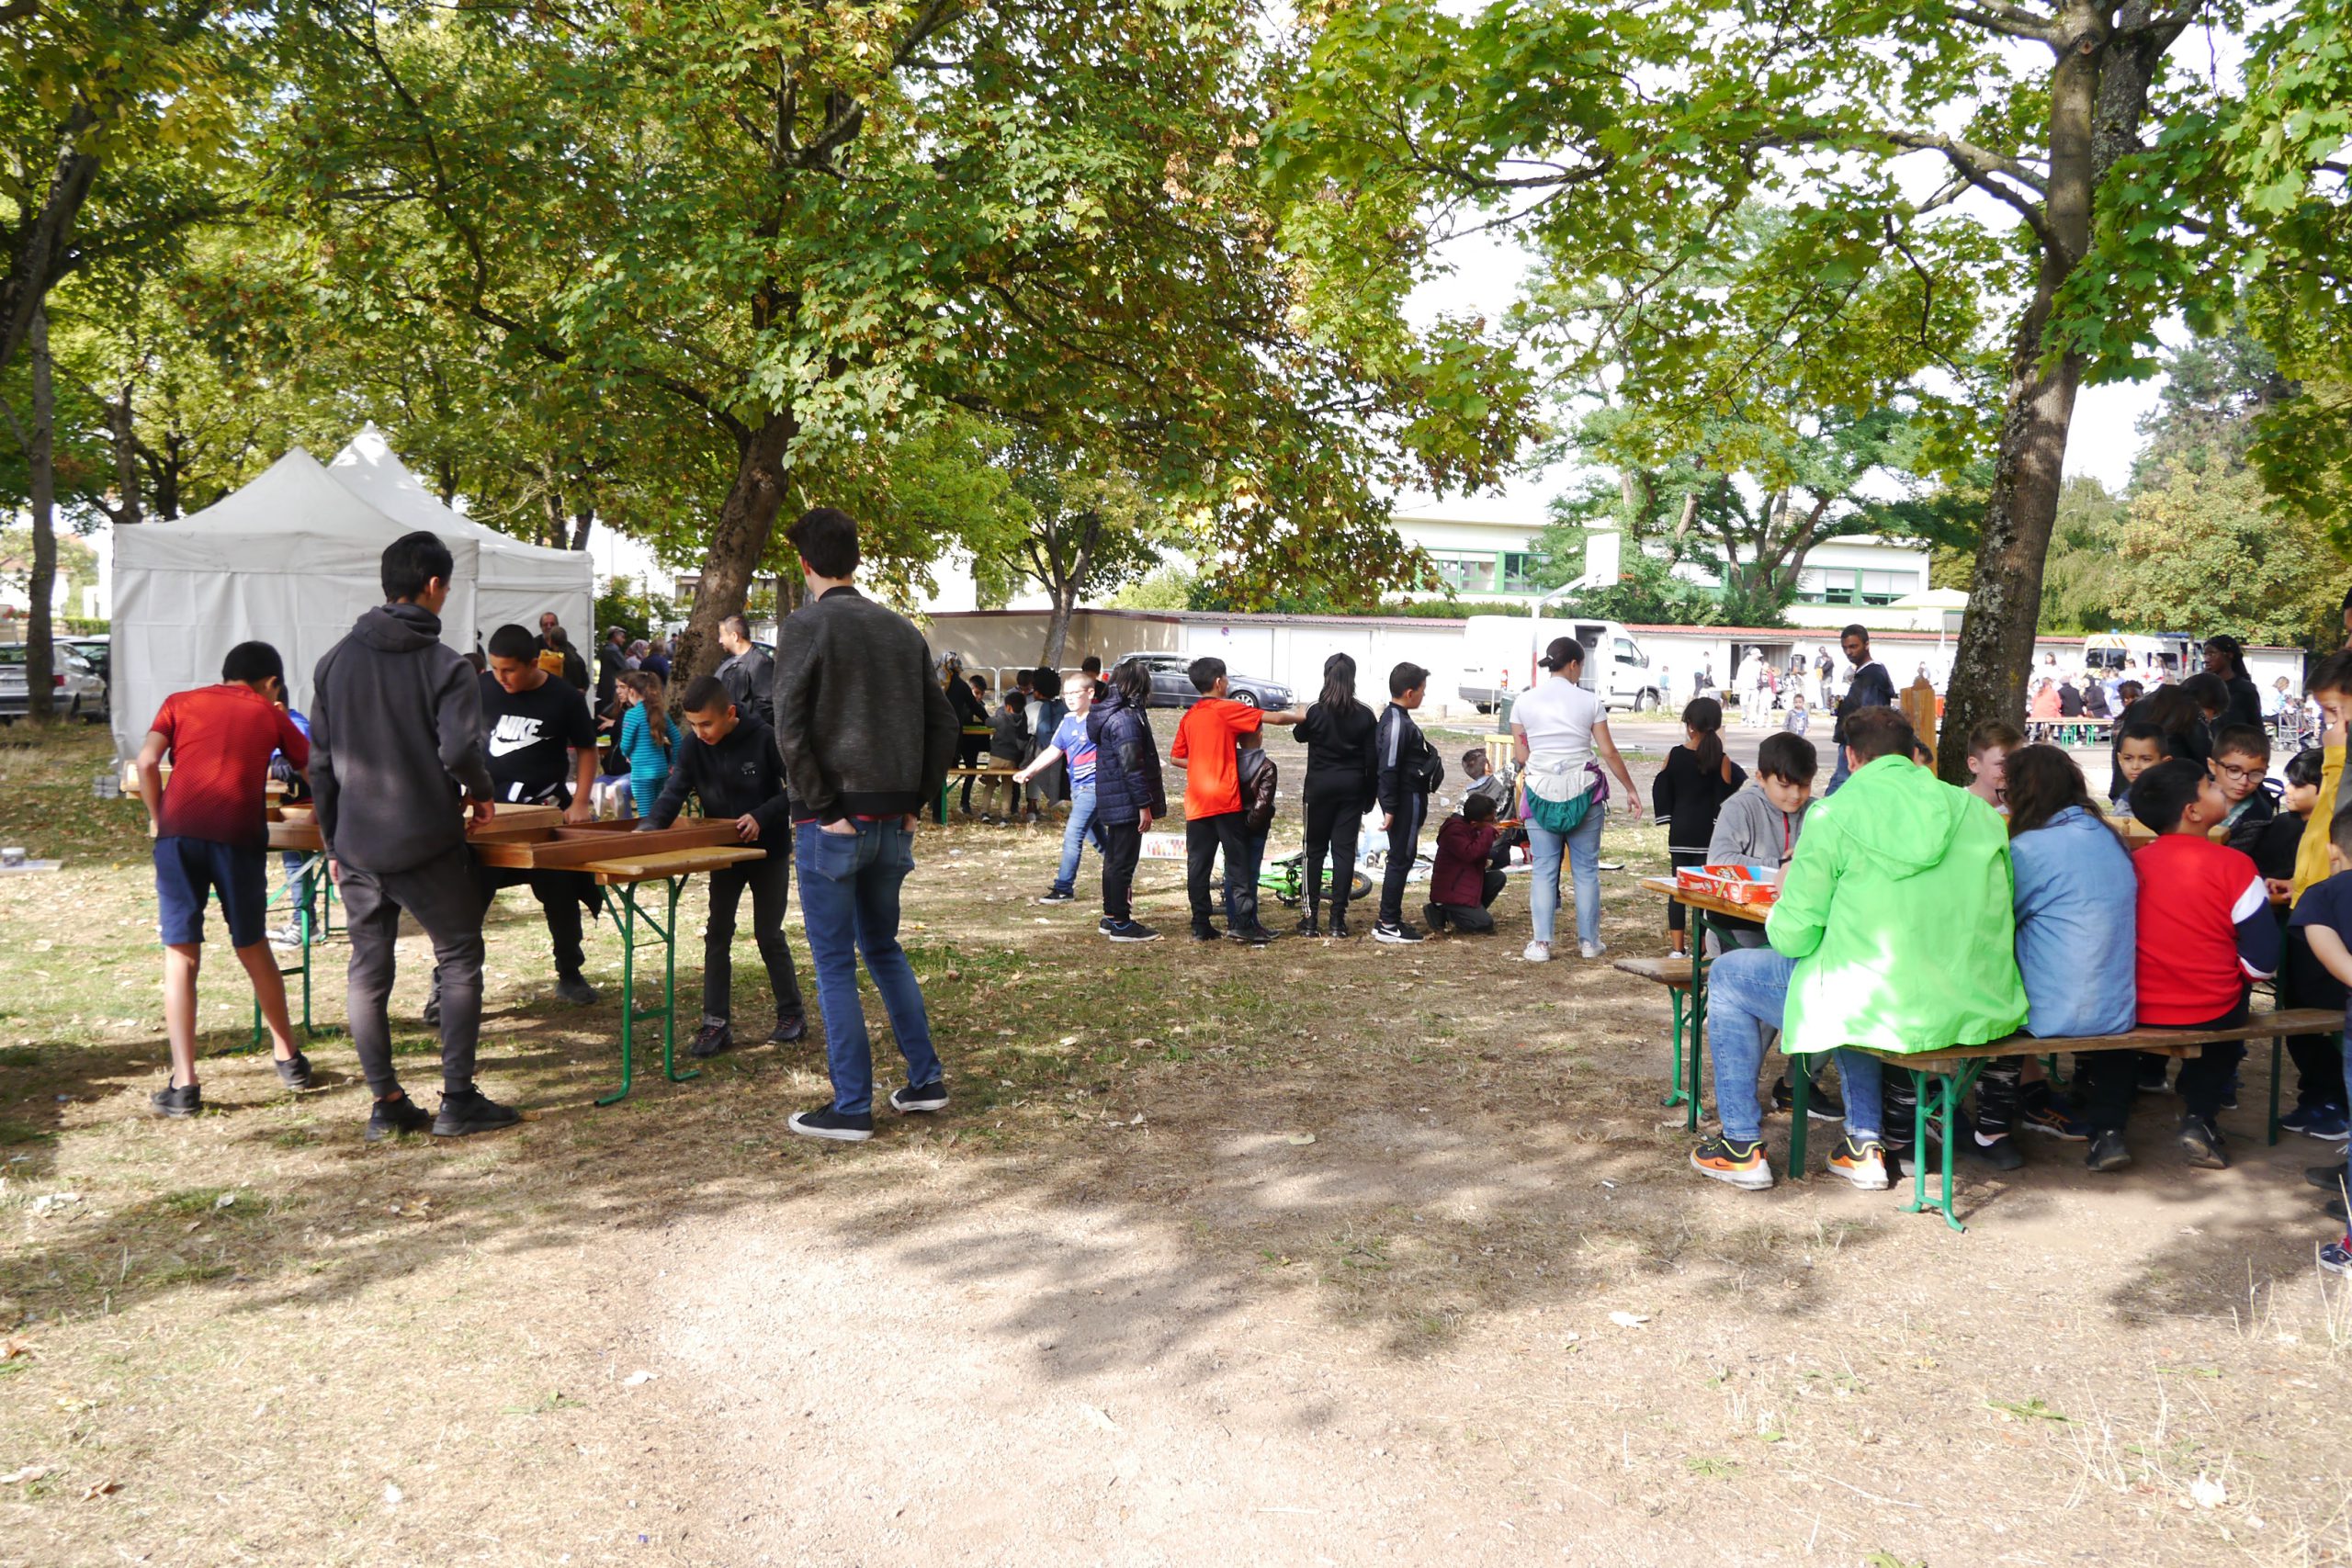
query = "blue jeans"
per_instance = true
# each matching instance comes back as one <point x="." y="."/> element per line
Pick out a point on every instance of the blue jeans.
<point x="1581" y="844"/>
<point x="1837" y="774"/>
<point x="1748" y="991"/>
<point x="849" y="903"/>
<point x="1243" y="878"/>
<point x="1074" y="835"/>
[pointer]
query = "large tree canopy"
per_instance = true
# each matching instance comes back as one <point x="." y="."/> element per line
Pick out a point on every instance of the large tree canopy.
<point x="810" y="232"/>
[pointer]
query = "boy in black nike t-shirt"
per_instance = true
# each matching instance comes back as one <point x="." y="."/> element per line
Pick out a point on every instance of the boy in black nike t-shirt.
<point x="542" y="746"/>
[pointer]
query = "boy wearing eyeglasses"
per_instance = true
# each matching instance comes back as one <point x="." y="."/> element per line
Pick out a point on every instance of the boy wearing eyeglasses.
<point x="2241" y="766"/>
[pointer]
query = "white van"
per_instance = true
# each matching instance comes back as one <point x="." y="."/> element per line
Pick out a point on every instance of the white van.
<point x="1499" y="653"/>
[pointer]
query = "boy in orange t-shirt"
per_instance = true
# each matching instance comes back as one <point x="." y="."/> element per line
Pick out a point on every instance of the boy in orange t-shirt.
<point x="1205" y="745"/>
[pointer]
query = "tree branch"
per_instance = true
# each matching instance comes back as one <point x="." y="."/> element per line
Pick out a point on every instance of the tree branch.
<point x="2015" y="21"/>
<point x="1965" y="160"/>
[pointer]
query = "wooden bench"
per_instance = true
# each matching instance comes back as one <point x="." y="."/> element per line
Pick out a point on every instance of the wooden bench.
<point x="1945" y="1077"/>
<point x="948" y="783"/>
<point x="1674" y="972"/>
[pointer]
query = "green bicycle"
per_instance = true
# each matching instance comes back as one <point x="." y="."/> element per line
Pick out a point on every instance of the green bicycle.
<point x="1284" y="877"/>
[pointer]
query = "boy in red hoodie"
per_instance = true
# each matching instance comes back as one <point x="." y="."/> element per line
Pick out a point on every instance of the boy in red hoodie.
<point x="1468" y="876"/>
<point x="2203" y="929"/>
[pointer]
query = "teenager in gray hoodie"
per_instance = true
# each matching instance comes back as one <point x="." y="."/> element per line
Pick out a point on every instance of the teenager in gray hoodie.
<point x="1759" y="826"/>
<point x="396" y="745"/>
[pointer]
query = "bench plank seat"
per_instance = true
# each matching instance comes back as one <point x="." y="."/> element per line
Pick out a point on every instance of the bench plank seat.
<point x="1672" y="971"/>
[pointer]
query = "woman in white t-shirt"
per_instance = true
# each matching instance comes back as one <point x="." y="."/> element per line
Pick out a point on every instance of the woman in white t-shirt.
<point x="1559" y="730"/>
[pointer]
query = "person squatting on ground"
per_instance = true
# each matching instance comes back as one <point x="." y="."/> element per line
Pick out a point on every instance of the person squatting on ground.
<point x="541" y="745"/>
<point x="396" y="744"/>
<point x="1468" y="876"/>
<point x="1409" y="771"/>
<point x="1892" y="930"/>
<point x="1128" y="794"/>
<point x="1342" y="783"/>
<point x="728" y="761"/>
<point x="866" y="737"/>
<point x="1073" y="748"/>
<point x="210" y="824"/>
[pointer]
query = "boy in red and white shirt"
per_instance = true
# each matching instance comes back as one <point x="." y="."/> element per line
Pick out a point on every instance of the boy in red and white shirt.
<point x="211" y="829"/>
<point x="2204" y="930"/>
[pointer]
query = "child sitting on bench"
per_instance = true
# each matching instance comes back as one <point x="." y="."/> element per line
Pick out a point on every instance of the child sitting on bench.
<point x="2322" y="919"/>
<point x="1759" y="826"/>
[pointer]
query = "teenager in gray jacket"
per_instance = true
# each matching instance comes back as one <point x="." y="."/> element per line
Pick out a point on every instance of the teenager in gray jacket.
<point x="396" y="716"/>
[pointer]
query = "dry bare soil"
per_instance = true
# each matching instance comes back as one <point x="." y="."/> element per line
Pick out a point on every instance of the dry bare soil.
<point x="1327" y="1253"/>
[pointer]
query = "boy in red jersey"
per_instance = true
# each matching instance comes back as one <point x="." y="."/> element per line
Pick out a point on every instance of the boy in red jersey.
<point x="2204" y="929"/>
<point x="210" y="828"/>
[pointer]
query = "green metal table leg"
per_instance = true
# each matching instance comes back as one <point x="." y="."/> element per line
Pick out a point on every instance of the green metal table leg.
<point x="664" y="929"/>
<point x="1698" y="1011"/>
<point x="1675" y="1093"/>
<point x="1938" y="1097"/>
<point x="312" y="878"/>
<point x="1800" y="1112"/>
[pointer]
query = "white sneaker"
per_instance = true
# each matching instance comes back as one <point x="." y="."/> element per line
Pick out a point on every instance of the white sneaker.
<point x="1591" y="949"/>
<point x="1537" y="952"/>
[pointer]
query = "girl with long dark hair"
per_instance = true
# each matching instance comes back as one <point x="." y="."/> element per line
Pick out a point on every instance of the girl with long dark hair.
<point x="2225" y="657"/>
<point x="1691" y="789"/>
<point x="1341" y="782"/>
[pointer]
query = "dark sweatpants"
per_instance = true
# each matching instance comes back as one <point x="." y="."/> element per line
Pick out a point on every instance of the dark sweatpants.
<point x="1462" y="916"/>
<point x="1333" y="823"/>
<point x="770" y="881"/>
<point x="443" y="896"/>
<point x="2109" y="1078"/>
<point x="1204" y="838"/>
<point x="561" y="894"/>
<point x="2304" y="982"/>
<point x="1122" y="847"/>
<point x="1404" y="841"/>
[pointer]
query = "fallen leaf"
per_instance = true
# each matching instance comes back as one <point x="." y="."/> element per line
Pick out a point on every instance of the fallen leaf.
<point x="224" y="1201"/>
<point x="1302" y="1139"/>
<point x="1628" y="1319"/>
<point x="98" y="1489"/>
<point x="392" y="1495"/>
<point x="30" y="1472"/>
<point x="12" y="1347"/>
<point x="634" y="1379"/>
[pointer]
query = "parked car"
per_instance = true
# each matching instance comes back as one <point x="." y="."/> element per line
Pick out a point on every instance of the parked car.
<point x="1171" y="686"/>
<point x="78" y="690"/>
<point x="98" y="650"/>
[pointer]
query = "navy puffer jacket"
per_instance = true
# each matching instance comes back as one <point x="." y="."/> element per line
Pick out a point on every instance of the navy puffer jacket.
<point x="1127" y="763"/>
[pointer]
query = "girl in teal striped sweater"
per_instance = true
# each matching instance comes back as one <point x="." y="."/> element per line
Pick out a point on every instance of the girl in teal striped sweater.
<point x="648" y="737"/>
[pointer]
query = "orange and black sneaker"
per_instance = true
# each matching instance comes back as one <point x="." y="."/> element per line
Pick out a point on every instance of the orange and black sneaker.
<point x="1864" y="1164"/>
<point x="1742" y="1164"/>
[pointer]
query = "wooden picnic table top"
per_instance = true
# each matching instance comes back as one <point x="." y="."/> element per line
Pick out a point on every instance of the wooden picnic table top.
<point x="301" y="832"/>
<point x="1753" y="913"/>
<point x="670" y="863"/>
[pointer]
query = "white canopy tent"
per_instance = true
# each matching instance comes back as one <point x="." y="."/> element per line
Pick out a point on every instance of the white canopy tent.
<point x="292" y="559"/>
<point x="519" y="581"/>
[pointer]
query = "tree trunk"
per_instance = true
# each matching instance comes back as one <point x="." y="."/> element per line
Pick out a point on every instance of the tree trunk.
<point x="582" y="521"/>
<point x="746" y="519"/>
<point x="40" y="258"/>
<point x="40" y="646"/>
<point x="126" y="458"/>
<point x="1996" y="632"/>
<point x="1065" y="592"/>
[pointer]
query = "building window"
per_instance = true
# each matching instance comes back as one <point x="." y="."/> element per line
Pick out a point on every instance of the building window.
<point x="1516" y="570"/>
<point x="1839" y="586"/>
<point x="1464" y="574"/>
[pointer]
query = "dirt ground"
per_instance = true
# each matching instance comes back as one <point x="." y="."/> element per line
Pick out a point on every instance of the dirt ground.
<point x="1323" y="1254"/>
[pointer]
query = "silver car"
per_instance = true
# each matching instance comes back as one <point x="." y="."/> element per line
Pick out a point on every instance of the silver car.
<point x="78" y="691"/>
<point x="1171" y="683"/>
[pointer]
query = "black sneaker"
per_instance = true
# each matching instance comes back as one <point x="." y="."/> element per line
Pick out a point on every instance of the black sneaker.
<point x="827" y="1123"/>
<point x="2001" y="1154"/>
<point x="1433" y="918"/>
<point x="2150" y="1078"/>
<point x="1253" y="936"/>
<point x="1398" y="933"/>
<point x="789" y="1027"/>
<point x="714" y="1036"/>
<point x="575" y="989"/>
<point x="1104" y="925"/>
<point x="470" y="1112"/>
<point x="2108" y="1152"/>
<point x="2335" y="1207"/>
<point x="186" y="1099"/>
<point x="294" y="1072"/>
<point x="1309" y="926"/>
<point x="2202" y="1144"/>
<point x="912" y="1101"/>
<point x="1822" y="1104"/>
<point x="392" y="1118"/>
<point x="1059" y="896"/>
<point x="1340" y="928"/>
<point x="2326" y="1178"/>
<point x="1129" y="930"/>
<point x="1205" y="933"/>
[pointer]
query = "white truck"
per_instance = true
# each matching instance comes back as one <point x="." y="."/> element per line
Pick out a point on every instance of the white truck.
<point x="1499" y="653"/>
